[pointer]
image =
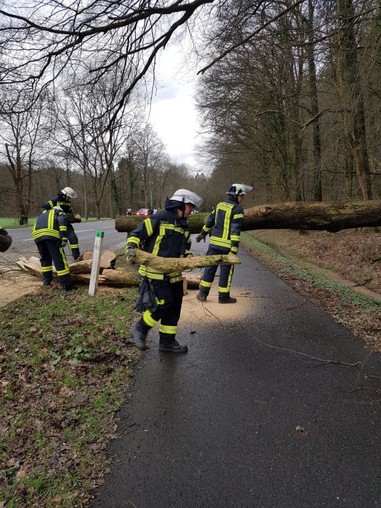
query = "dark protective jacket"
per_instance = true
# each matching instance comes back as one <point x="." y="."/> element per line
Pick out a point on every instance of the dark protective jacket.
<point x="161" y="234"/>
<point x="50" y="224"/>
<point x="224" y="224"/>
<point x="60" y="201"/>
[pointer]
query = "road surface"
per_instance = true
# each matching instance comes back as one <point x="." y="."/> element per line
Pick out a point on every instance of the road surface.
<point x="23" y="244"/>
<point x="259" y="413"/>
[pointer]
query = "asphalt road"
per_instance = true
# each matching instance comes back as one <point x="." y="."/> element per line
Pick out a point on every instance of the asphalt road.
<point x="23" y="244"/>
<point x="245" y="419"/>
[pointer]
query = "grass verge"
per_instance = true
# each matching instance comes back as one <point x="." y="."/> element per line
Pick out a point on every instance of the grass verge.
<point x="65" y="365"/>
<point x="361" y="314"/>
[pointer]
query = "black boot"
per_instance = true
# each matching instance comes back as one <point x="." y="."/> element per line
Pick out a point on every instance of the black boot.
<point x="202" y="295"/>
<point x="172" y="347"/>
<point x="226" y="299"/>
<point x="139" y="337"/>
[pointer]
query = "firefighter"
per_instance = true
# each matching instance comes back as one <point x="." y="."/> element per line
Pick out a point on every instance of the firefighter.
<point x="5" y="240"/>
<point x="63" y="200"/>
<point x="165" y="233"/>
<point x="223" y="225"/>
<point x="49" y="234"/>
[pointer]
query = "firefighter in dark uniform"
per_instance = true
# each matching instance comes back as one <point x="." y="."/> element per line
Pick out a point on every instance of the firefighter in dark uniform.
<point x="165" y="233"/>
<point x="224" y="227"/>
<point x="49" y="234"/>
<point x="63" y="200"/>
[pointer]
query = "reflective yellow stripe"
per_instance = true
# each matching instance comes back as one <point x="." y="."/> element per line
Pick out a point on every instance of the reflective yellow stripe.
<point x="148" y="226"/>
<point x="170" y="330"/>
<point x="215" y="240"/>
<point x="46" y="269"/>
<point x="147" y="318"/>
<point x="234" y="238"/>
<point x="238" y="216"/>
<point x="133" y="240"/>
<point x="206" y="284"/>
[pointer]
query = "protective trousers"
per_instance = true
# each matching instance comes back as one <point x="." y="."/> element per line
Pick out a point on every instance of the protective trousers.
<point x="52" y="252"/>
<point x="169" y="298"/>
<point x="226" y="275"/>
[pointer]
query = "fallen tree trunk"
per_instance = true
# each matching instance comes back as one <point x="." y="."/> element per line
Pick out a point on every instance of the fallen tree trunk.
<point x="173" y="265"/>
<point x="331" y="217"/>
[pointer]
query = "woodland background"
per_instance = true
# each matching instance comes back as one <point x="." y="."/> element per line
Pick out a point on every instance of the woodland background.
<point x="289" y="93"/>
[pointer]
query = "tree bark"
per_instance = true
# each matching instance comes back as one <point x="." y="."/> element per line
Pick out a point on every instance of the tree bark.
<point x="173" y="265"/>
<point x="331" y="217"/>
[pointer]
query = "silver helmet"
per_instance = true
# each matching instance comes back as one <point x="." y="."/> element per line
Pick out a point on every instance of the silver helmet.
<point x="69" y="192"/>
<point x="185" y="196"/>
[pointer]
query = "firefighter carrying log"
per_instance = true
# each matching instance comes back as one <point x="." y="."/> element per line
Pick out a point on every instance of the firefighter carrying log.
<point x="165" y="233"/>
<point x="49" y="234"/>
<point x="63" y="200"/>
<point x="224" y="227"/>
<point x="5" y="240"/>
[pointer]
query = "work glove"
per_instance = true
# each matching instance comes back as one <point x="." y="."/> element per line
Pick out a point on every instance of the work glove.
<point x="63" y="242"/>
<point x="199" y="238"/>
<point x="131" y="254"/>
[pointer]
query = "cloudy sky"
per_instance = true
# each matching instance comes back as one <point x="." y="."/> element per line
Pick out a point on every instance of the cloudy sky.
<point x="173" y="113"/>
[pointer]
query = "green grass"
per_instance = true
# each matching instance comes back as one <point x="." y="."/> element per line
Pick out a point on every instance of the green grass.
<point x="65" y="365"/>
<point x="287" y="268"/>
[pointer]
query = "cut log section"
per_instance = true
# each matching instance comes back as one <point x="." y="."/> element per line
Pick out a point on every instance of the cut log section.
<point x="176" y="265"/>
<point x="80" y="271"/>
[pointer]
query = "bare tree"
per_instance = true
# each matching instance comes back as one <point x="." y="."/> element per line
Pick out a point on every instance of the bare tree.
<point x="40" y="40"/>
<point x="23" y="135"/>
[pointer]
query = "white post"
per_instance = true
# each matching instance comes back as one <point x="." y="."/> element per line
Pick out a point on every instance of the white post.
<point x="96" y="262"/>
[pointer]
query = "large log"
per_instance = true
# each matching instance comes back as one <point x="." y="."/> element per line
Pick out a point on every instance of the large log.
<point x="173" y="265"/>
<point x="331" y="217"/>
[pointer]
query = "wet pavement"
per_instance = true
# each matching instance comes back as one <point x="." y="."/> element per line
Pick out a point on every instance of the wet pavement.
<point x="257" y="414"/>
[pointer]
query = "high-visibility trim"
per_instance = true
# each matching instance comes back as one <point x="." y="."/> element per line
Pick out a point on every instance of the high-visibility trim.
<point x="235" y="238"/>
<point x="74" y="245"/>
<point x="46" y="269"/>
<point x="234" y="250"/>
<point x="238" y="216"/>
<point x="134" y="240"/>
<point x="63" y="229"/>
<point x="170" y="330"/>
<point x="205" y="284"/>
<point x="223" y="290"/>
<point x="63" y="272"/>
<point x="204" y="228"/>
<point x="148" y="226"/>
<point x="38" y="233"/>
<point x="67" y="270"/>
<point x="152" y="274"/>
<point x="221" y="242"/>
<point x="148" y="319"/>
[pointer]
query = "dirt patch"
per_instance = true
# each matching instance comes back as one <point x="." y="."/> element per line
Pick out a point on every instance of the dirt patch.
<point x="15" y="284"/>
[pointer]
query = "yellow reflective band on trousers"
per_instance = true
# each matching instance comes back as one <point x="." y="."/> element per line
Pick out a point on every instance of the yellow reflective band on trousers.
<point x="147" y="318"/>
<point x="170" y="330"/>
<point x="206" y="284"/>
<point x="46" y="268"/>
<point x="66" y="270"/>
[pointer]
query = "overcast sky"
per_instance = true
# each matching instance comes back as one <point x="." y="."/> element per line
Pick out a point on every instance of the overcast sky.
<point x="173" y="113"/>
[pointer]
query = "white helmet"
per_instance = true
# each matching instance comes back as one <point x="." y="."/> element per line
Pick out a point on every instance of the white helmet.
<point x="239" y="189"/>
<point x="186" y="196"/>
<point x="68" y="191"/>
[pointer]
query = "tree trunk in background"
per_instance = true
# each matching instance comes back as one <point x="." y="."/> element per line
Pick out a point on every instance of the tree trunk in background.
<point x="315" y="216"/>
<point x="350" y="90"/>
<point x="317" y="185"/>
